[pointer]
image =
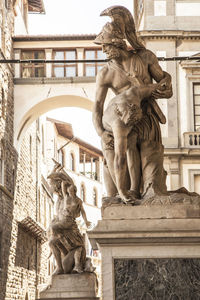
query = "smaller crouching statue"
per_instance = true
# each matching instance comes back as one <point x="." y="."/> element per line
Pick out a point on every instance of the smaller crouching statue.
<point x="65" y="240"/>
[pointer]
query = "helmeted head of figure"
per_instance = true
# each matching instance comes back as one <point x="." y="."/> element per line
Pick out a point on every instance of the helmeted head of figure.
<point x="111" y="39"/>
<point x="122" y="27"/>
<point x="110" y="34"/>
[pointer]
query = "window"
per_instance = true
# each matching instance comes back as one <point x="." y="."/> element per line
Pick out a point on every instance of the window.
<point x="91" y="69"/>
<point x="196" y="97"/>
<point x="197" y="183"/>
<point x="61" y="157"/>
<point x="94" y="197"/>
<point x="32" y="69"/>
<point x="65" y="69"/>
<point x="82" y="192"/>
<point x="71" y="162"/>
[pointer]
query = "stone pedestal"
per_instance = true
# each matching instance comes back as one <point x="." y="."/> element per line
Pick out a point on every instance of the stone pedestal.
<point x="71" y="287"/>
<point x="149" y="252"/>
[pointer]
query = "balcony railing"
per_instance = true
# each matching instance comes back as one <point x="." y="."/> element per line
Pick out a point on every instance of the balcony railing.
<point x="192" y="139"/>
<point x="92" y="175"/>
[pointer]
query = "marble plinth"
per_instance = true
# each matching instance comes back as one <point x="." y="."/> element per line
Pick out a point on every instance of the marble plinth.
<point x="161" y="241"/>
<point x="71" y="287"/>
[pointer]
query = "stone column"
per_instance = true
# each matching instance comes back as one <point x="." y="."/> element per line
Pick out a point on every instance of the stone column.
<point x="84" y="159"/>
<point x="48" y="56"/>
<point x="80" y="52"/>
<point x="17" y="66"/>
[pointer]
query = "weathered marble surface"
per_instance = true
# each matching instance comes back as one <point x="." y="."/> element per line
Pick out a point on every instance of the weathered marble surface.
<point x="181" y="196"/>
<point x="169" y="211"/>
<point x="71" y="286"/>
<point x="157" y="279"/>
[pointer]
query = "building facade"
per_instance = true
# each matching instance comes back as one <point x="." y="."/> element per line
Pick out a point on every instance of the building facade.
<point x="171" y="29"/>
<point x="8" y="155"/>
<point x="21" y="238"/>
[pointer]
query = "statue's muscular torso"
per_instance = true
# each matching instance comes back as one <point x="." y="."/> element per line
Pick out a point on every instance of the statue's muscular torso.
<point x="138" y="63"/>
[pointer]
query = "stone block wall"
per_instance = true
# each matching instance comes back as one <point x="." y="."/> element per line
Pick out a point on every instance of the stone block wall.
<point x="8" y="155"/>
<point x="27" y="266"/>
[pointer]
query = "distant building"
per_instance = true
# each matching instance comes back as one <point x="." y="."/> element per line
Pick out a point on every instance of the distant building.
<point x="171" y="29"/>
<point x="28" y="90"/>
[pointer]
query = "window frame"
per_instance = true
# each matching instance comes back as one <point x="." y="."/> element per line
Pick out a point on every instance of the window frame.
<point x="64" y="65"/>
<point x="32" y="65"/>
<point x="194" y="105"/>
<point x="95" y="64"/>
<point x="62" y="156"/>
<point x="72" y="161"/>
<point x="94" y="201"/>
<point x="84" y="192"/>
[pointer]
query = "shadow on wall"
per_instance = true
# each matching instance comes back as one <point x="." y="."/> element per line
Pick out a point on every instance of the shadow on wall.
<point x="27" y="251"/>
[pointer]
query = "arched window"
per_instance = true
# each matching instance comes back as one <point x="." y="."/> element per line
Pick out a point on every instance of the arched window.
<point x="94" y="197"/>
<point x="61" y="157"/>
<point x="72" y="162"/>
<point x="82" y="192"/>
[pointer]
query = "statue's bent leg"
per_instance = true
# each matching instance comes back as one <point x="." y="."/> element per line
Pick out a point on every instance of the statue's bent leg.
<point x="77" y="260"/>
<point x="154" y="175"/>
<point x="134" y="165"/>
<point x="53" y="244"/>
<point x="109" y="173"/>
<point x="109" y="183"/>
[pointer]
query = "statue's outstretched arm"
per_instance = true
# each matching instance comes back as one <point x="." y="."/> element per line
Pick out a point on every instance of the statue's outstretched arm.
<point x="87" y="223"/>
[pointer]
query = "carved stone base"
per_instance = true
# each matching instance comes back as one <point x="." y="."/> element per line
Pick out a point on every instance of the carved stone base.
<point x="180" y="196"/>
<point x="71" y="287"/>
<point x="134" y="240"/>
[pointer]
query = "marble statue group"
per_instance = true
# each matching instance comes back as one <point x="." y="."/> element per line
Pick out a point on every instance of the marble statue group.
<point x="130" y="126"/>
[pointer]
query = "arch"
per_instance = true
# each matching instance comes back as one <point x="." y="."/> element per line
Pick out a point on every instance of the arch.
<point x="83" y="192"/>
<point x="61" y="157"/>
<point x="72" y="161"/>
<point x="24" y="117"/>
<point x="94" y="196"/>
